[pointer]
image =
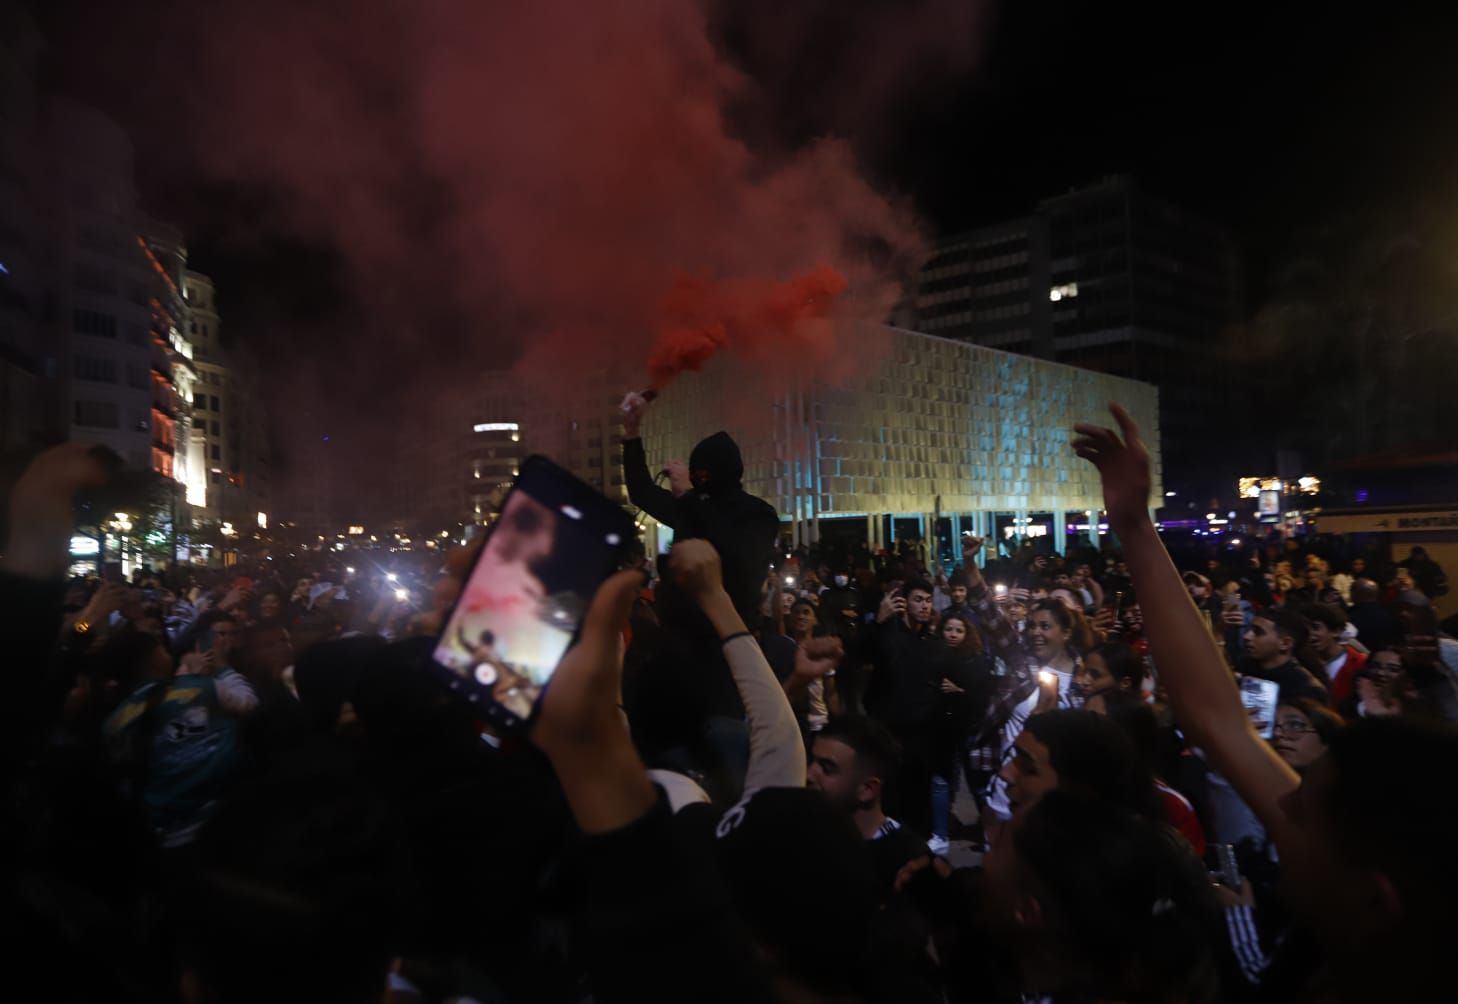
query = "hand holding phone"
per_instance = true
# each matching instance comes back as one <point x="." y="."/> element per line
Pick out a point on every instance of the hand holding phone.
<point x="1259" y="697"/>
<point x="555" y="542"/>
<point x="579" y="726"/>
<point x="892" y="605"/>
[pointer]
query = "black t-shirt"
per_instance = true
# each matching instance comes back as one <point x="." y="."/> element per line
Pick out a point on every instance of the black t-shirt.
<point x="892" y="847"/>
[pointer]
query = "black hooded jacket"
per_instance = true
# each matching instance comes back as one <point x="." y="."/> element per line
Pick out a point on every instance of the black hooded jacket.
<point x="741" y="527"/>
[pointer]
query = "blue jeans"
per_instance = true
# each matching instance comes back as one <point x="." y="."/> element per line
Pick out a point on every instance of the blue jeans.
<point x="943" y="790"/>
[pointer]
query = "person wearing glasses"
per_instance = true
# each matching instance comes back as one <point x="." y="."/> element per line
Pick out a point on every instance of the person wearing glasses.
<point x="1303" y="730"/>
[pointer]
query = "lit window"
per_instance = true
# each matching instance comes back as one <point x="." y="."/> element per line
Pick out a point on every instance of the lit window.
<point x="1065" y="292"/>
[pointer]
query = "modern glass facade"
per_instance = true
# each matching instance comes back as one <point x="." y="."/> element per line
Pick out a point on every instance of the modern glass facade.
<point x="932" y="425"/>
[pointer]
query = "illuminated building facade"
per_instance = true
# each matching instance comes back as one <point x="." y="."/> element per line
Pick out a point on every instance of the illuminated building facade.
<point x="230" y="441"/>
<point x="173" y="375"/>
<point x="936" y="428"/>
<point x="210" y="392"/>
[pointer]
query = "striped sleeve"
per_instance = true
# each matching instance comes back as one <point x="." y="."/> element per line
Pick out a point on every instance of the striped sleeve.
<point x="1245" y="942"/>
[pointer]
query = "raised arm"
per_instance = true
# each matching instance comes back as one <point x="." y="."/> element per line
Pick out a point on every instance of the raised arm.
<point x="991" y="618"/>
<point x="656" y="501"/>
<point x="1202" y="692"/>
<point x="776" y="751"/>
<point x="655" y="915"/>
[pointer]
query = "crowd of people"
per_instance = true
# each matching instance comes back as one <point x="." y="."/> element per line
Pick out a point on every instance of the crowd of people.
<point x="761" y="773"/>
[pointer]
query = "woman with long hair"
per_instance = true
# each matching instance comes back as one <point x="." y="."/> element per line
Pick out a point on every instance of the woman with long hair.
<point x="1057" y="638"/>
<point x="966" y="685"/>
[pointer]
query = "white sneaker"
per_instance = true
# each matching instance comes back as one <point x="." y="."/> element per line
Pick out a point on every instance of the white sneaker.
<point x="938" y="846"/>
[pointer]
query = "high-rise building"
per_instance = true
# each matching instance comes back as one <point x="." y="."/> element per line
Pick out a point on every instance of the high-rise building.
<point x="230" y="434"/>
<point x="209" y="396"/>
<point x="103" y="291"/>
<point x="1109" y="278"/>
<point x="173" y="374"/>
<point x="24" y="257"/>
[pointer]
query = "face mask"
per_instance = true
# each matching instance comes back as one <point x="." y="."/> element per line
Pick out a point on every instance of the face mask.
<point x="840" y="581"/>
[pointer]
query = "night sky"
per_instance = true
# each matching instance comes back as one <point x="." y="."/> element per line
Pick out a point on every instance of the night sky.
<point x="1270" y="118"/>
<point x="1264" y="116"/>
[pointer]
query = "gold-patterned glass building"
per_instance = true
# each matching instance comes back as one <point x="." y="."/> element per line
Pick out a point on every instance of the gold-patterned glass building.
<point x="924" y="437"/>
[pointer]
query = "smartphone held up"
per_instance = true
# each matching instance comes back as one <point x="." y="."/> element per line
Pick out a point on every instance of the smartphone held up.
<point x="554" y="542"/>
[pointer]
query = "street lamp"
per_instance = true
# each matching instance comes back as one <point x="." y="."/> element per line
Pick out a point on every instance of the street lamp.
<point x="120" y="525"/>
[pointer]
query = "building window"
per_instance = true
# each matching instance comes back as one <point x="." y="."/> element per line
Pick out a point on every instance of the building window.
<point x="213" y="399"/>
<point x="217" y="477"/>
<point x="200" y="401"/>
<point x="97" y="414"/>
<point x="137" y="376"/>
<point x="216" y="427"/>
<point x="216" y="452"/>
<point x="194" y="327"/>
<point x="90" y="322"/>
<point x="94" y="368"/>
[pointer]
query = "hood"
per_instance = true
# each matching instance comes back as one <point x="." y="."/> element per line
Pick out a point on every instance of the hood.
<point x="719" y="455"/>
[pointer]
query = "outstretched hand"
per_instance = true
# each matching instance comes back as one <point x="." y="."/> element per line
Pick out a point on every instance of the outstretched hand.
<point x="1123" y="464"/>
<point x="634" y="405"/>
<point x="696" y="568"/>
<point x="971" y="548"/>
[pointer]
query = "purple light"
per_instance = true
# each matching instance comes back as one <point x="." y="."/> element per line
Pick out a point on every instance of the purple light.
<point x="1361" y="495"/>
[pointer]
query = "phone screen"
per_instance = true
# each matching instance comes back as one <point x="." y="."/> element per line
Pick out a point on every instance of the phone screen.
<point x="1260" y="697"/>
<point x="1226" y="868"/>
<point x="553" y="544"/>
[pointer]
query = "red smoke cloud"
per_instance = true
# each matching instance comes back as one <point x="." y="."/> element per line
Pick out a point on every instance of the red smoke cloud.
<point x="526" y="182"/>
<point x="754" y="316"/>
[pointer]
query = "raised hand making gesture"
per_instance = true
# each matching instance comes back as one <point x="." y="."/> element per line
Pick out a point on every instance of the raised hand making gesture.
<point x="1201" y="690"/>
<point x="1123" y="465"/>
